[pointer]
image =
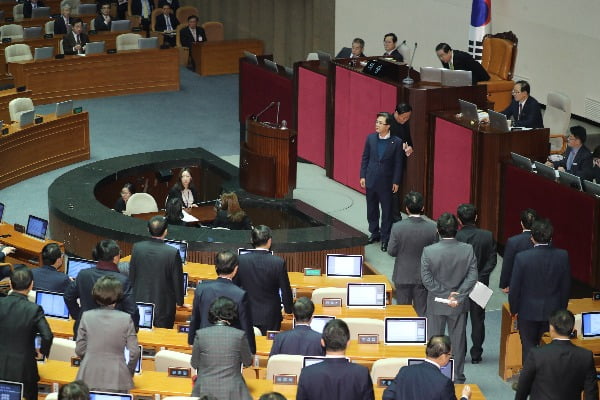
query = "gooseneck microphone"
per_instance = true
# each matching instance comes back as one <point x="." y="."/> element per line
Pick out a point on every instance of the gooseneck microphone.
<point x="408" y="80"/>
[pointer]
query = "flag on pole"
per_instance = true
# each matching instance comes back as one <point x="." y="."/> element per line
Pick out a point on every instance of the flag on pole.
<point x="481" y="18"/>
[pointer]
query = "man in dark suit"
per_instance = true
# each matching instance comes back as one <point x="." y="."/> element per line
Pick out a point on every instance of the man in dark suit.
<point x="143" y="8"/>
<point x="335" y="378"/>
<point x="47" y="276"/>
<point x="524" y="110"/>
<point x="166" y="23"/>
<point x="193" y="33"/>
<point x="108" y="254"/>
<point x="302" y="339"/>
<point x="596" y="164"/>
<point x="356" y="51"/>
<point x="577" y="159"/>
<point x="20" y="321"/>
<point x="156" y="274"/>
<point x="400" y="127"/>
<point x="449" y="272"/>
<point x="103" y="21"/>
<point x="28" y="6"/>
<point x="514" y="245"/>
<point x="62" y="24"/>
<point x="75" y="41"/>
<point x="484" y="247"/>
<point x="459" y="60"/>
<point x="380" y="174"/>
<point x="390" y="45"/>
<point x="408" y="239"/>
<point x="540" y="284"/>
<point x="425" y="380"/>
<point x="226" y="265"/>
<point x="263" y="276"/>
<point x="559" y="370"/>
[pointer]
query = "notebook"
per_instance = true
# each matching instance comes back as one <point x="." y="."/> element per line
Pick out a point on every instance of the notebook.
<point x="52" y="303"/>
<point x="36" y="227"/>
<point x="76" y="265"/>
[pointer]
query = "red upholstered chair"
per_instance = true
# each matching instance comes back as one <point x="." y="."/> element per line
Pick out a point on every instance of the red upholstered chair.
<point x="498" y="58"/>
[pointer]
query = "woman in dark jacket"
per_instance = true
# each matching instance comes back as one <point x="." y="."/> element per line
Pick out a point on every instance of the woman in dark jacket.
<point x="230" y="215"/>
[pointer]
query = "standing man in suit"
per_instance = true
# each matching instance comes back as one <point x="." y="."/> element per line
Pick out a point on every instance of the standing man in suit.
<point x="459" y="60"/>
<point x="449" y="272"/>
<point x="390" y="45"/>
<point x="426" y="380"/>
<point x="263" y="276"/>
<point x="408" y="239"/>
<point x="400" y="128"/>
<point x="20" y="321"/>
<point x="174" y="4"/>
<point x="577" y="159"/>
<point x="156" y="274"/>
<point x="143" y="8"/>
<point x="108" y="254"/>
<point x="302" y="339"/>
<point x="380" y="174"/>
<point x="62" y="24"/>
<point x="524" y="110"/>
<point x="167" y="23"/>
<point x="484" y="247"/>
<point x="559" y="370"/>
<point x="103" y="21"/>
<point x="29" y="5"/>
<point x="226" y="265"/>
<point x="514" y="245"/>
<point x="75" y="41"/>
<point x="540" y="284"/>
<point x="47" y="277"/>
<point x="335" y="378"/>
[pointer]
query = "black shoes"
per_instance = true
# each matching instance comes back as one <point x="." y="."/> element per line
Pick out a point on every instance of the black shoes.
<point x="384" y="246"/>
<point x="475" y="360"/>
<point x="373" y="239"/>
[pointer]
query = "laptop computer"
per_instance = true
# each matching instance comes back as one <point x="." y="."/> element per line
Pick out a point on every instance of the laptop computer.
<point x="468" y="110"/>
<point x="75" y="265"/>
<point x="431" y="74"/>
<point x="36" y="227"/>
<point x="138" y="365"/>
<point x="405" y="331"/>
<point x="544" y="170"/>
<point x="271" y="65"/>
<point x="588" y="187"/>
<point x="344" y="265"/>
<point x="148" y="43"/>
<point x="456" y="78"/>
<point x="447" y="370"/>
<point x="181" y="246"/>
<point x="146" y="311"/>
<point x="40" y="12"/>
<point x="87" y="9"/>
<point x="120" y="25"/>
<point x="64" y="108"/>
<point x="590" y="325"/>
<point x="26" y="118"/>
<point x="521" y="161"/>
<point x="94" y="48"/>
<point x="109" y="396"/>
<point x="185" y="282"/>
<point x="318" y="322"/>
<point x="324" y="58"/>
<point x="43" y="53"/>
<point x="365" y="295"/>
<point x="568" y="179"/>
<point x="498" y="121"/>
<point x="52" y="303"/>
<point x="32" y="32"/>
<point x="11" y="390"/>
<point x="1" y="211"/>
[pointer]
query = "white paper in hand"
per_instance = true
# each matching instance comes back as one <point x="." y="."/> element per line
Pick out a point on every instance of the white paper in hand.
<point x="481" y="294"/>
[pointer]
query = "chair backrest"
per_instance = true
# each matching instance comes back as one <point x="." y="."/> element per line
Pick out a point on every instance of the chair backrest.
<point x="18" y="106"/>
<point x="499" y="55"/>
<point x="558" y="113"/>
<point x="178" y="33"/>
<point x="168" y="358"/>
<point x="128" y="41"/>
<point x="257" y="331"/>
<point x="387" y="368"/>
<point x="74" y="6"/>
<point x="329" y="292"/>
<point x="61" y="50"/>
<point x="62" y="349"/>
<point x="18" y="12"/>
<point x="87" y="9"/>
<point x="312" y="57"/>
<point x="31" y="296"/>
<point x="142" y="203"/>
<point x="284" y="364"/>
<point x="49" y="27"/>
<point x="184" y="12"/>
<point x="17" y="52"/>
<point x="405" y="51"/>
<point x="12" y="31"/>
<point x="155" y="13"/>
<point x="365" y="326"/>
<point x="52" y="396"/>
<point x="92" y="24"/>
<point x="214" y="31"/>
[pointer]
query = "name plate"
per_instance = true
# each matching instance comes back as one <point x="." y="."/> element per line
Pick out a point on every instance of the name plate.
<point x="48" y="35"/>
<point x="6" y="40"/>
<point x="9" y="19"/>
<point x="384" y="382"/>
<point x="285" y="379"/>
<point x="75" y="361"/>
<point x="271" y="334"/>
<point x="312" y="272"/>
<point x="179" y="372"/>
<point x="183" y="328"/>
<point x="368" y="339"/>
<point x="111" y="51"/>
<point x="596" y="296"/>
<point x="77" y="110"/>
<point x="19" y="228"/>
<point x="136" y="29"/>
<point x="5" y="131"/>
<point x="21" y="89"/>
<point x="38" y="120"/>
<point x="331" y="302"/>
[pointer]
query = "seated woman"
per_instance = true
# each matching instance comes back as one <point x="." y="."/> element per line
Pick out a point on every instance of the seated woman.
<point x="126" y="191"/>
<point x="218" y="352"/>
<point x="102" y="335"/>
<point x="230" y="215"/>
<point x="184" y="189"/>
<point x="174" y="213"/>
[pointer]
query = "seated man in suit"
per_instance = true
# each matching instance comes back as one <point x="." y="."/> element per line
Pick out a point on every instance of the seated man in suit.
<point x="75" y="41"/>
<point x="302" y="339"/>
<point x="459" y="60"/>
<point x="524" y="110"/>
<point x="577" y="159"/>
<point x="62" y="24"/>
<point x="28" y="6"/>
<point x="103" y="21"/>
<point x="335" y="378"/>
<point x="173" y="3"/>
<point x="193" y="33"/>
<point x="166" y="23"/>
<point x="425" y="380"/>
<point x="391" y="48"/>
<point x="47" y="277"/>
<point x="356" y="51"/>
<point x="559" y="370"/>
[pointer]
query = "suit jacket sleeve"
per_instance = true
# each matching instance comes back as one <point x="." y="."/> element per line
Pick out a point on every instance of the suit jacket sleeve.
<point x="585" y="164"/>
<point x="245" y="317"/>
<point x="177" y="279"/>
<point x="44" y="330"/>
<point x="128" y="305"/>
<point x="565" y="285"/>
<point x="514" y="295"/>
<point x="398" y="163"/>
<point x="185" y="37"/>
<point x="81" y="344"/>
<point x="27" y="9"/>
<point x="70" y="296"/>
<point x="286" y="290"/>
<point x="368" y="393"/>
<point x="132" y="346"/>
<point x="470" y="279"/>
<point x="507" y="265"/>
<point x="490" y="262"/>
<point x="276" y="347"/>
<point x="246" y="353"/>
<point x="68" y="44"/>
<point x="590" y="385"/>
<point x="196" y="316"/>
<point x="365" y="159"/>
<point x="431" y="284"/>
<point x="526" y="378"/>
<point x="509" y="111"/>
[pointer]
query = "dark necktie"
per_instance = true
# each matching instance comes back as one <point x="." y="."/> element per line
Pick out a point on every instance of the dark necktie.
<point x="520" y="109"/>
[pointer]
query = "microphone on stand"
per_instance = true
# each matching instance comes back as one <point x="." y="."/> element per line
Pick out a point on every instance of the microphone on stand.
<point x="256" y="116"/>
<point x="277" y="117"/>
<point x="408" y="80"/>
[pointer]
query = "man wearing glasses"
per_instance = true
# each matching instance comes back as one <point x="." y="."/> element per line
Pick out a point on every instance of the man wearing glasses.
<point x="524" y="110"/>
<point x="577" y="159"/>
<point x="380" y="174"/>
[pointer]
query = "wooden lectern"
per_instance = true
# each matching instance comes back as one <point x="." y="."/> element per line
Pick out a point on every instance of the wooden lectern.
<point x="268" y="160"/>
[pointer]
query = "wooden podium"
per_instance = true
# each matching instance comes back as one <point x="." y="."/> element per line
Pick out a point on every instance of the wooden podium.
<point x="268" y="160"/>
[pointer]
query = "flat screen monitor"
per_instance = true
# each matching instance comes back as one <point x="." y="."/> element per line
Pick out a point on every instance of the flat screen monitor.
<point x="405" y="331"/>
<point x="95" y="47"/>
<point x="1" y="211"/>
<point x="32" y="32"/>
<point x="456" y="78"/>
<point x="26" y="118"/>
<point x="431" y="74"/>
<point x="76" y="265"/>
<point x="40" y="12"/>
<point x="365" y="295"/>
<point x="148" y="43"/>
<point x="52" y="303"/>
<point x="588" y="187"/>
<point x="146" y="311"/>
<point x="109" y="396"/>
<point x="251" y="57"/>
<point x="248" y="251"/>
<point x="87" y="9"/>
<point x="498" y="121"/>
<point x="271" y="65"/>
<point x="590" y="324"/>
<point x="447" y="370"/>
<point x="468" y="110"/>
<point x="521" y="161"/>
<point x="312" y="360"/>
<point x="185" y="282"/>
<point x="64" y="108"/>
<point x="568" y="179"/>
<point x="120" y="25"/>
<point x="43" y="53"/>
<point x="544" y="170"/>
<point x="36" y="227"/>
<point x="344" y="265"/>
<point x="181" y="246"/>
<point x="324" y="58"/>
<point x="11" y="390"/>
<point x="138" y="365"/>
<point x="318" y="322"/>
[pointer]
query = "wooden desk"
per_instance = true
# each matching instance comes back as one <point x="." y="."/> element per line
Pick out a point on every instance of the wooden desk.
<point x="99" y="75"/>
<point x="6" y="96"/>
<point x="28" y="249"/>
<point x="222" y="57"/>
<point x="204" y="214"/>
<point x="7" y="7"/>
<point x="29" y="22"/>
<point x="35" y="149"/>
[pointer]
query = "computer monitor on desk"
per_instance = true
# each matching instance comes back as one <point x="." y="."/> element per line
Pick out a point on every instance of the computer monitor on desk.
<point x="52" y="303"/>
<point x="120" y="25"/>
<point x="43" y="53"/>
<point x="11" y="390"/>
<point x="521" y="161"/>
<point x="146" y="311"/>
<point x="544" y="170"/>
<point x="456" y="78"/>
<point x="590" y="325"/>
<point x="405" y="331"/>
<point x="366" y="295"/>
<point x="109" y="396"/>
<point x="148" y="43"/>
<point x="75" y="265"/>
<point x="40" y="12"/>
<point x="588" y="187"/>
<point x="181" y="246"/>
<point x="447" y="370"/>
<point x="36" y="227"/>
<point x="498" y="121"/>
<point x="570" y="180"/>
<point x="32" y="32"/>
<point x="95" y="47"/>
<point x="344" y="265"/>
<point x="1" y="211"/>
<point x="64" y="108"/>
<point x="26" y="118"/>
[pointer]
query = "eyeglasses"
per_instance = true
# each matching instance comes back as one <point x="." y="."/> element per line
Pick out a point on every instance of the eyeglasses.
<point x="516" y="92"/>
<point x="380" y="123"/>
<point x="571" y="138"/>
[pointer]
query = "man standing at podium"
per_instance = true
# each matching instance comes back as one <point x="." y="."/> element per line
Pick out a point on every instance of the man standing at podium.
<point x="380" y="174"/>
